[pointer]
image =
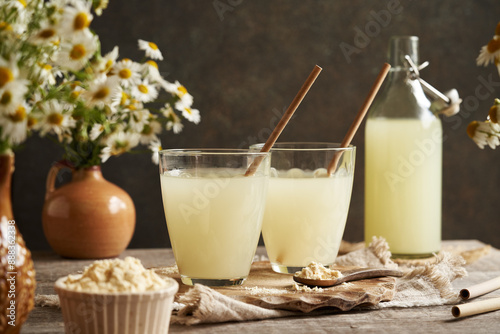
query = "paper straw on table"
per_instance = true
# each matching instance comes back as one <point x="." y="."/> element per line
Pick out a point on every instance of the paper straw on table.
<point x="483" y="306"/>
<point x="480" y="289"/>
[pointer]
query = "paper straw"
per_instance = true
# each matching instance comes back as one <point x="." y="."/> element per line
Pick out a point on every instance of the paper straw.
<point x="483" y="306"/>
<point x="359" y="117"/>
<point x="285" y="118"/>
<point x="480" y="289"/>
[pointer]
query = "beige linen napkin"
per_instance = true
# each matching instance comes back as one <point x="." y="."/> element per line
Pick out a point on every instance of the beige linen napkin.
<point x="202" y="304"/>
<point x="422" y="285"/>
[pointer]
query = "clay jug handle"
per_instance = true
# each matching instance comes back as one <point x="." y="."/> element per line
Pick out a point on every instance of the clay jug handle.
<point x="53" y="172"/>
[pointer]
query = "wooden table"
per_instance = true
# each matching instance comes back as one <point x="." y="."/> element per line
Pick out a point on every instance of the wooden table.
<point x="436" y="319"/>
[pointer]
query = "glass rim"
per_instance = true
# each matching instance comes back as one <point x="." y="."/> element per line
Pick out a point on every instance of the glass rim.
<point x="307" y="146"/>
<point x="211" y="151"/>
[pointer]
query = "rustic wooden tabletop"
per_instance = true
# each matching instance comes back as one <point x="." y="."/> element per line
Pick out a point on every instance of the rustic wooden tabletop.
<point x="435" y="319"/>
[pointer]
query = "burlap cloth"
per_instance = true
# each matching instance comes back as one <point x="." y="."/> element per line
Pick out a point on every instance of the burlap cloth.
<point x="425" y="283"/>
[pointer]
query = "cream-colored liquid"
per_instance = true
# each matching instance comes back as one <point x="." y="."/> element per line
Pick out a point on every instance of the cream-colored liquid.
<point x="304" y="219"/>
<point x="403" y="184"/>
<point x="214" y="223"/>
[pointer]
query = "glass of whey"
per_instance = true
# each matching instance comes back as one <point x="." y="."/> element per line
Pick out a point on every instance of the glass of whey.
<point x="213" y="211"/>
<point x="306" y="209"/>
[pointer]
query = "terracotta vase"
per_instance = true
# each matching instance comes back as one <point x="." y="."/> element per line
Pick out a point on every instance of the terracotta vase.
<point x="17" y="276"/>
<point x="89" y="217"/>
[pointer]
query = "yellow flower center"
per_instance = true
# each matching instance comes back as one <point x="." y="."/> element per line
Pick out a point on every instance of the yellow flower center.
<point x="153" y="46"/>
<point x="108" y="65"/>
<point x="147" y="130"/>
<point x="75" y="84"/>
<point x="47" y="33"/>
<point x="188" y="110"/>
<point x="152" y="63"/>
<point x="102" y="93"/>
<point x="125" y="73"/>
<point x="494" y="45"/>
<point x="6" y="98"/>
<point x="6" y="76"/>
<point x="471" y="128"/>
<point x="47" y="67"/>
<point x="143" y="89"/>
<point x="131" y="107"/>
<point x="32" y="122"/>
<point x="120" y="146"/>
<point x="5" y="26"/>
<point x="182" y="90"/>
<point x="493" y="114"/>
<point x="19" y="115"/>
<point x="55" y="119"/>
<point x="74" y="95"/>
<point x="81" y="21"/>
<point x="77" y="52"/>
<point x="124" y="98"/>
<point x="22" y="2"/>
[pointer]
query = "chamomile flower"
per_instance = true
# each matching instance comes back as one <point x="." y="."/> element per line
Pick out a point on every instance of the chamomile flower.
<point x="57" y="120"/>
<point x="20" y="7"/>
<point x="192" y="115"/>
<point x="493" y="141"/>
<point x="100" y="5"/>
<point x="76" y="18"/>
<point x="180" y="91"/>
<point x="151" y="49"/>
<point x="494" y="113"/>
<point x="15" y="125"/>
<point x="127" y="72"/>
<point x="45" y="35"/>
<point x="144" y="91"/>
<point x="175" y="124"/>
<point x="155" y="148"/>
<point x="76" y="90"/>
<point x="75" y="53"/>
<point x="12" y="95"/>
<point x="106" y="63"/>
<point x="118" y="143"/>
<point x="151" y="71"/>
<point x="491" y="52"/>
<point x="133" y="105"/>
<point x="120" y="98"/>
<point x="173" y="121"/>
<point x="138" y="119"/>
<point x="47" y="74"/>
<point x="96" y="131"/>
<point x="150" y="131"/>
<point x="100" y="92"/>
<point x="484" y="133"/>
<point x="8" y="71"/>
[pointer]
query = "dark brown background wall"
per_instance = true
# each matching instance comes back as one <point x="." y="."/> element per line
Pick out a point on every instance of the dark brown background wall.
<point x="244" y="67"/>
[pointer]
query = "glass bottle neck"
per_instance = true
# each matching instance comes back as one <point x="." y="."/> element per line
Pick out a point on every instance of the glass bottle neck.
<point x="399" y="47"/>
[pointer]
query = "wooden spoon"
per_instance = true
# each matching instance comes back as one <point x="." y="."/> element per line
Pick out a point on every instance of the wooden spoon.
<point x="349" y="275"/>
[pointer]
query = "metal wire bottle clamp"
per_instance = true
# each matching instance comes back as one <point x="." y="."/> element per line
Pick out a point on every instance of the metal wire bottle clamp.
<point x="449" y="103"/>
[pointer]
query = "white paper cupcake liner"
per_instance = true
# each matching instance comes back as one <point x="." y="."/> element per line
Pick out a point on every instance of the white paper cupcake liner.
<point x="121" y="313"/>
